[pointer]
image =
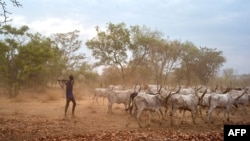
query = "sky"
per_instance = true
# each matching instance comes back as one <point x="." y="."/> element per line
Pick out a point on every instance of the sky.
<point x="220" y="24"/>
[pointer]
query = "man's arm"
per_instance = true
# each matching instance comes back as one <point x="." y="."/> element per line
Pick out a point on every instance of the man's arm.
<point x="62" y="81"/>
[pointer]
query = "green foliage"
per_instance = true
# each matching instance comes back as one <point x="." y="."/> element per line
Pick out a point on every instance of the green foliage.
<point x="201" y="63"/>
<point x="109" y="47"/>
<point x="33" y="59"/>
<point x="149" y="50"/>
<point x="13" y="39"/>
<point x="3" y="62"/>
<point x="68" y="45"/>
<point x="24" y="58"/>
<point x="163" y="57"/>
<point x="86" y="74"/>
<point x="208" y="63"/>
<point x="188" y="56"/>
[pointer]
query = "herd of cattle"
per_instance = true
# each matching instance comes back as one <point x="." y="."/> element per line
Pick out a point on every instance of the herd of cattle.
<point x="162" y="100"/>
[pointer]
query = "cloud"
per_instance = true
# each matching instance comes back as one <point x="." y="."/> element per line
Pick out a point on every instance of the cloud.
<point x="55" y="25"/>
<point x="51" y="25"/>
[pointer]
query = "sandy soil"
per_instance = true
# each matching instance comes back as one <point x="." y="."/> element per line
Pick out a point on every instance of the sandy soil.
<point x="42" y="118"/>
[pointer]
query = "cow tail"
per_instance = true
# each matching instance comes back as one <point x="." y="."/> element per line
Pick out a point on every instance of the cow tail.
<point x="129" y="103"/>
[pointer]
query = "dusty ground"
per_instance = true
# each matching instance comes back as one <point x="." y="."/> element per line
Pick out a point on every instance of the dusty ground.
<point x="41" y="117"/>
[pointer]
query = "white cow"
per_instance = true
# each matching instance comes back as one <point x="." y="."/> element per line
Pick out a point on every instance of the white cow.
<point x="144" y="101"/>
<point x="243" y="100"/>
<point x="185" y="102"/>
<point x="225" y="101"/>
<point x="115" y="87"/>
<point x="100" y="92"/>
<point x="147" y="102"/>
<point x="119" y="96"/>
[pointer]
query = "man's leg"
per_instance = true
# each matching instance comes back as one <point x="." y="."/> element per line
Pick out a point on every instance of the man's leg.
<point x="66" y="106"/>
<point x="73" y="107"/>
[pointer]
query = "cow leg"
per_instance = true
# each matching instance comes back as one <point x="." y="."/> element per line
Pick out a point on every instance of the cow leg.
<point x="160" y="116"/>
<point x="183" y="115"/>
<point x="139" y="111"/>
<point x="200" y="110"/>
<point x="96" y="99"/>
<point x="126" y="106"/>
<point x="166" y="111"/>
<point x="163" y="113"/>
<point x="171" y="114"/>
<point x="193" y="115"/>
<point x="184" y="111"/>
<point x="245" y="109"/>
<point x="209" y="114"/>
<point x="129" y="118"/>
<point x="93" y="99"/>
<point x="227" y="113"/>
<point x="149" y="118"/>
<point x="132" y="114"/>
<point x="130" y="110"/>
<point x="110" y="108"/>
<point x="133" y="109"/>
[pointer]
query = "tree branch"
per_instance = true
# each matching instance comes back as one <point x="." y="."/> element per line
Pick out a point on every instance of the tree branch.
<point x="6" y="12"/>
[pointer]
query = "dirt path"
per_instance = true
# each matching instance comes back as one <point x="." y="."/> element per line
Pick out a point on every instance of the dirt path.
<point x="39" y="119"/>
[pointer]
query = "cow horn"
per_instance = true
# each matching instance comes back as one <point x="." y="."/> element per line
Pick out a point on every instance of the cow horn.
<point x="242" y="94"/>
<point x="178" y="90"/>
<point x="204" y="93"/>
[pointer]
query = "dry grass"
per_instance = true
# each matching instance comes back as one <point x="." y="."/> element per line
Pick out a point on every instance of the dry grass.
<point x="20" y="98"/>
<point x="50" y="95"/>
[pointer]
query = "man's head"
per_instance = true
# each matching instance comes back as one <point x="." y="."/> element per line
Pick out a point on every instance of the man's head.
<point x="71" y="77"/>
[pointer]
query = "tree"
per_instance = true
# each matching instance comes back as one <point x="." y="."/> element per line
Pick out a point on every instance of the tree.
<point x="6" y="12"/>
<point x="142" y="39"/>
<point x="207" y="63"/>
<point x="229" y="76"/>
<point x="86" y="74"/>
<point x="110" y="47"/>
<point x="24" y="56"/>
<point x="68" y="45"/>
<point x="188" y="56"/>
<point x="199" y="63"/>
<point x="110" y="75"/>
<point x="151" y="51"/>
<point x="164" y="57"/>
<point x="245" y="80"/>
<point x="34" y="59"/>
<point x="9" y="67"/>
